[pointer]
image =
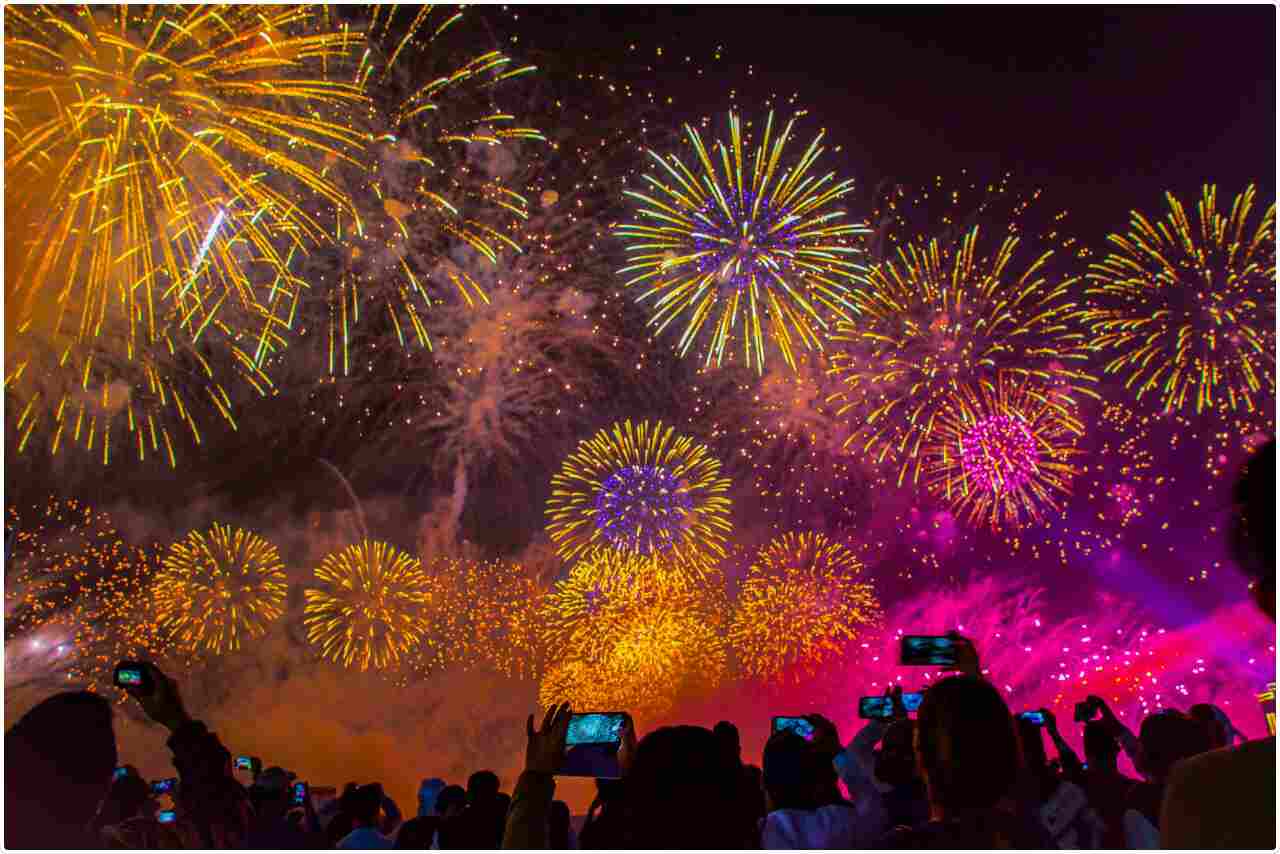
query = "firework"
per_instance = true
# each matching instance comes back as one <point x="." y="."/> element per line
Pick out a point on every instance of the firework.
<point x="939" y="313"/>
<point x="1038" y="660"/>
<point x="1185" y="310"/>
<point x="669" y="646"/>
<point x="491" y="615"/>
<point x="374" y="609"/>
<point x="803" y="601"/>
<point x="162" y="170"/>
<point x="792" y="440"/>
<point x="219" y="588"/>
<point x="1003" y="454"/>
<point x="621" y="643"/>
<point x="53" y="555"/>
<point x="583" y="614"/>
<point x="642" y="490"/>
<point x="767" y="252"/>
<point x="435" y="126"/>
<point x="76" y="598"/>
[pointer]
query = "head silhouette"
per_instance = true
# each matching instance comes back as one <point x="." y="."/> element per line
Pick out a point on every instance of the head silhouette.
<point x="966" y="744"/>
<point x="482" y="787"/>
<point x="1167" y="737"/>
<point x="59" y="758"/>
<point x="680" y="792"/>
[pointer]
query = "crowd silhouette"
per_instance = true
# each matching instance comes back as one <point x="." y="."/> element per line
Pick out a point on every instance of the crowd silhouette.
<point x="965" y="772"/>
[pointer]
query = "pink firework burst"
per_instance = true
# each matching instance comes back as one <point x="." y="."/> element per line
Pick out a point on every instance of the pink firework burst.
<point x="999" y="453"/>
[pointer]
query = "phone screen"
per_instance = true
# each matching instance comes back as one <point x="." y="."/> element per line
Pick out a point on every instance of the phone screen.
<point x="875" y="708"/>
<point x="120" y="773"/>
<point x="244" y="762"/>
<point x="130" y="676"/>
<point x="798" y="725"/>
<point x="1036" y="718"/>
<point x="911" y="702"/>
<point x="595" y="728"/>
<point x="299" y="793"/>
<point x="937" y="650"/>
<point x="591" y="745"/>
<point x="164" y="787"/>
<point x="167" y="816"/>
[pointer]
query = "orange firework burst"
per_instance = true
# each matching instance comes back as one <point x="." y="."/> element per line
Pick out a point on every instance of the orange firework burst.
<point x="490" y="617"/>
<point x="162" y="170"/>
<point x="1187" y="311"/>
<point x="220" y="587"/>
<point x="619" y="639"/>
<point x="374" y="609"/>
<point x="76" y="595"/>
<point x="804" y="599"/>
<point x="1003" y="454"/>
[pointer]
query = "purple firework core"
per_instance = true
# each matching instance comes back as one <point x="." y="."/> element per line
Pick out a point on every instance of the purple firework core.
<point x="747" y="244"/>
<point x="999" y="453"/>
<point x="641" y="509"/>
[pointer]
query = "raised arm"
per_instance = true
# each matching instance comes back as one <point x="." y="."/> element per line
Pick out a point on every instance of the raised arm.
<point x="1072" y="767"/>
<point x="530" y="812"/>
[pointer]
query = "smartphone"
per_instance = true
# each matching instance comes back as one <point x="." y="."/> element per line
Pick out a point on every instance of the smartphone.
<point x="880" y="707"/>
<point x="793" y="723"/>
<point x="120" y="773"/>
<point x="133" y="676"/>
<point x="244" y="762"/>
<point x="165" y="787"/>
<point x="875" y="708"/>
<point x="299" y="794"/>
<point x="166" y="816"/>
<point x="591" y="745"/>
<point x="1035" y="718"/>
<point x="936" y="650"/>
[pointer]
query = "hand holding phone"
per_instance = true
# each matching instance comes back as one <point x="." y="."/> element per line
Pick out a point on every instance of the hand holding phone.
<point x="155" y="692"/>
<point x="545" y="750"/>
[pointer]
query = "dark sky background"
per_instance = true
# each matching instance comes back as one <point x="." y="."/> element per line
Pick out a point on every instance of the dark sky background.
<point x="1104" y="108"/>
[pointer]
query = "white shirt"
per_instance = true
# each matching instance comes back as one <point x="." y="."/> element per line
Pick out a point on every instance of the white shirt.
<point x="831" y="826"/>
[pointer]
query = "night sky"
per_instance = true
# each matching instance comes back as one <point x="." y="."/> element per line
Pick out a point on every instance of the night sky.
<point x="1103" y="108"/>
